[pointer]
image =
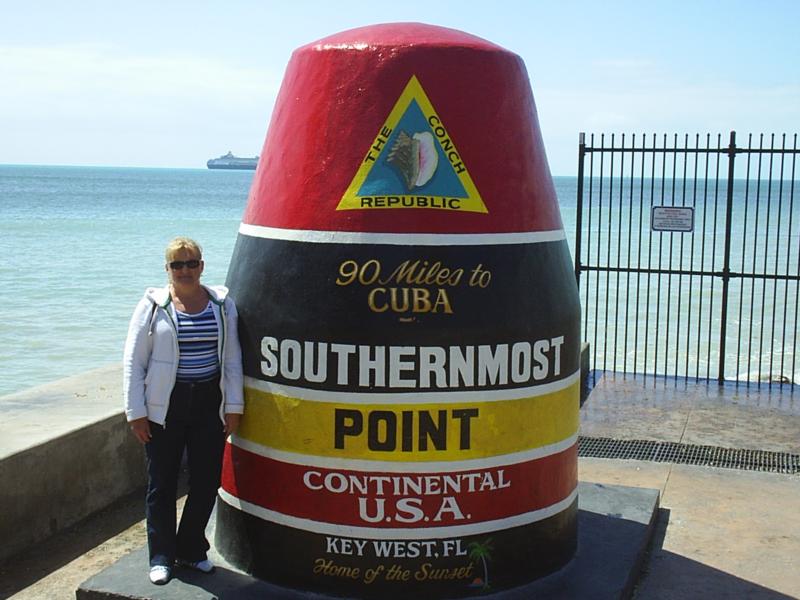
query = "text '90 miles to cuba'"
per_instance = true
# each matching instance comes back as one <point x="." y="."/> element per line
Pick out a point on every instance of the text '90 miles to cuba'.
<point x="413" y="286"/>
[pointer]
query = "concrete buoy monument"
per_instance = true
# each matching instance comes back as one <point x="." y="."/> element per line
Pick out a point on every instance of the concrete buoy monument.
<point x="410" y="328"/>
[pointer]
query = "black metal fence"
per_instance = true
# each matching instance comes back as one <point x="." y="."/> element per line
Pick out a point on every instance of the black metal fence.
<point x="687" y="255"/>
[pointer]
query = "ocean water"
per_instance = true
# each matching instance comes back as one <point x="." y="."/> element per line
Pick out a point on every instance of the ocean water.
<point x="80" y="244"/>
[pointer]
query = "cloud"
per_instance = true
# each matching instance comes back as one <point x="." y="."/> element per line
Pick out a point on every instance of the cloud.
<point x="662" y="108"/>
<point x="679" y="108"/>
<point x="95" y="79"/>
<point x="91" y="104"/>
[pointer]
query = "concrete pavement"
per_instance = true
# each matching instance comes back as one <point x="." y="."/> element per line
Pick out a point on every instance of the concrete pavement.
<point x="723" y="533"/>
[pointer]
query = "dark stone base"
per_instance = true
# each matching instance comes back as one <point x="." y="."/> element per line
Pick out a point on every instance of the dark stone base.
<point x="285" y="557"/>
<point x="615" y="524"/>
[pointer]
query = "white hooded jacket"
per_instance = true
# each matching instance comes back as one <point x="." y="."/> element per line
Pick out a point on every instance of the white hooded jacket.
<point x="150" y="361"/>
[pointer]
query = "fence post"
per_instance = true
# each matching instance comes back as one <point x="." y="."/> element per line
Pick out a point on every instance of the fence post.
<point x="726" y="268"/>
<point x="579" y="218"/>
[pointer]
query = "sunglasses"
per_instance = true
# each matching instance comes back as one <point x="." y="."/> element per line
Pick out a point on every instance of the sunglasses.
<point x="177" y="265"/>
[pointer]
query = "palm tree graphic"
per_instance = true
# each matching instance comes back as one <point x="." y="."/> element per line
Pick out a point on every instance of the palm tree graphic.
<point x="483" y="551"/>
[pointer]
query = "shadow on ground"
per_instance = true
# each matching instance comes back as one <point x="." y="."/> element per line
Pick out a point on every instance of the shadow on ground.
<point x="24" y="569"/>
<point x="667" y="575"/>
<point x="32" y="565"/>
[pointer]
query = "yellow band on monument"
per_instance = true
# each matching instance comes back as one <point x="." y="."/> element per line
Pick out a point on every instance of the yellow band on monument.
<point x="413" y="432"/>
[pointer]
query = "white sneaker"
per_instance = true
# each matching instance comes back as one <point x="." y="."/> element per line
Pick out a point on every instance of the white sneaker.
<point x="204" y="566"/>
<point x="160" y="574"/>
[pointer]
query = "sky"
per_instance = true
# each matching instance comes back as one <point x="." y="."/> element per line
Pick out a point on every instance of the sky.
<point x="174" y="83"/>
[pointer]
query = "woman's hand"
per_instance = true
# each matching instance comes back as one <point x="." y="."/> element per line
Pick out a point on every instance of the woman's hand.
<point x="232" y="423"/>
<point x="141" y="429"/>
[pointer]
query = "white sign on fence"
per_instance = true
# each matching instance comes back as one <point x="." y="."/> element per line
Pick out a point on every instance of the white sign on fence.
<point x="672" y="218"/>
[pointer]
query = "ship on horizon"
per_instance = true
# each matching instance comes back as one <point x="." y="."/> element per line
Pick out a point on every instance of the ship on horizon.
<point x="229" y="161"/>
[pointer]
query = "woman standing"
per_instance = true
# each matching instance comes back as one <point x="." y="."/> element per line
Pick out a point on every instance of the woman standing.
<point x="183" y="390"/>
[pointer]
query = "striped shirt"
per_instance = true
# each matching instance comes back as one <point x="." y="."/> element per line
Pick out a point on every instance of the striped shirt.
<point x="197" y="343"/>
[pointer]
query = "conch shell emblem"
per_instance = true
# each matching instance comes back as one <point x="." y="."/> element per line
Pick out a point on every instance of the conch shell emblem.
<point x="414" y="158"/>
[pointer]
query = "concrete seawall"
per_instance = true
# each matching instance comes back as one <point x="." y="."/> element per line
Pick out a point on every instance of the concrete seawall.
<point x="65" y="453"/>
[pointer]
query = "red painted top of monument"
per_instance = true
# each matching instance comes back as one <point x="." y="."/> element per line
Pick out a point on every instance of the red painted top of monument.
<point x="403" y="34"/>
<point x="404" y="128"/>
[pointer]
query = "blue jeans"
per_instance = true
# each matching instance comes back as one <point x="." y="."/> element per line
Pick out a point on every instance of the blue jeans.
<point x="192" y="423"/>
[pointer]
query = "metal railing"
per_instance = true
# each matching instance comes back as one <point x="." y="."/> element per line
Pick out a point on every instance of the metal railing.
<point x="687" y="255"/>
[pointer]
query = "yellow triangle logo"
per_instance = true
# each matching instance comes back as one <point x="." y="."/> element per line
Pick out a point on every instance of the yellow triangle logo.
<point x="412" y="163"/>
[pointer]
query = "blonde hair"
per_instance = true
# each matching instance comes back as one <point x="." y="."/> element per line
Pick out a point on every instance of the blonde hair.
<point x="183" y="243"/>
